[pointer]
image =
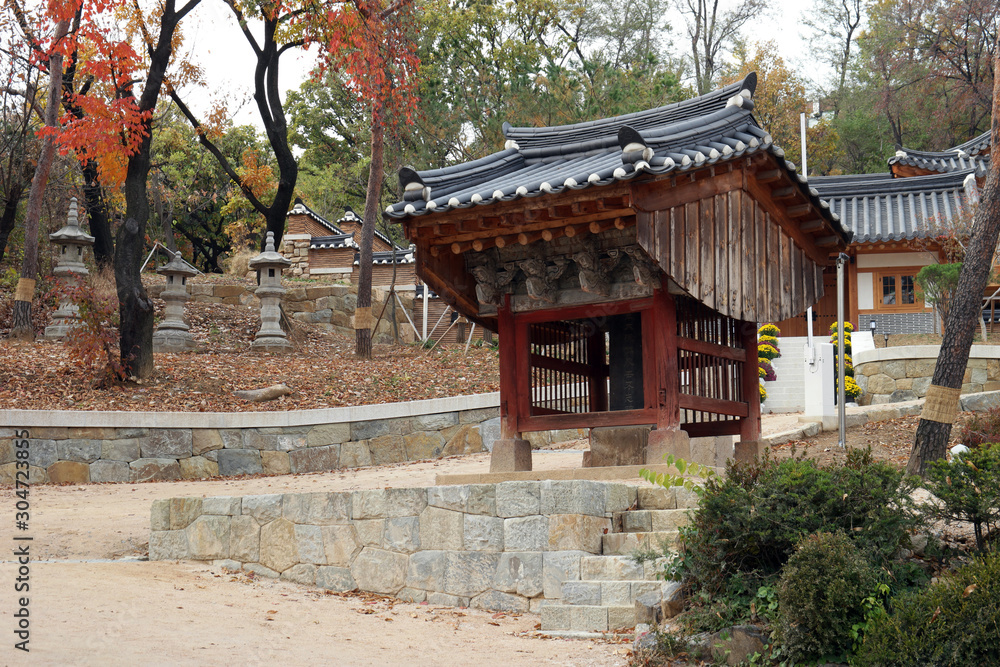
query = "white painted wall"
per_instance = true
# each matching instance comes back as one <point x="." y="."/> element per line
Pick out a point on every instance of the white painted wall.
<point x="787" y="393"/>
<point x="885" y="259"/>
<point x="866" y="290"/>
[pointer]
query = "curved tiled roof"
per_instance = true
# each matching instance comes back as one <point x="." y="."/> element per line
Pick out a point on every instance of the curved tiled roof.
<point x="301" y="209"/>
<point x="334" y="241"/>
<point x="402" y="256"/>
<point x="971" y="154"/>
<point x="878" y="207"/>
<point x="692" y="134"/>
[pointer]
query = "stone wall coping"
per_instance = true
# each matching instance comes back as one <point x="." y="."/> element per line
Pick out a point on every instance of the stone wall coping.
<point x="919" y="352"/>
<point x="357" y="413"/>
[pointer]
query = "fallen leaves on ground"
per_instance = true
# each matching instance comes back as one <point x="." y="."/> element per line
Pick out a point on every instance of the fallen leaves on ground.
<point x="322" y="372"/>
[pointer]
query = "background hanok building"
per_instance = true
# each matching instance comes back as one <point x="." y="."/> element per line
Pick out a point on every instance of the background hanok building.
<point x="898" y="224"/>
<point x="625" y="264"/>
<point x="970" y="155"/>
<point x="318" y="247"/>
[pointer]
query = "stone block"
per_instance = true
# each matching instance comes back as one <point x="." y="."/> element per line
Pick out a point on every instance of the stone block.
<point x="979" y="402"/>
<point x="370" y="532"/>
<point x="588" y="618"/>
<point x="441" y="529"/>
<point x="477" y="416"/>
<point x="150" y="470"/>
<point x="387" y="449"/>
<point x="920" y="386"/>
<point x="572" y="497"/>
<point x="469" y="573"/>
<point x="231" y="438"/>
<point x="205" y="440"/>
<point x="168" y="545"/>
<point x="637" y="521"/>
<point x="556" y="618"/>
<point x="916" y="368"/>
<point x="616" y="593"/>
<point x="426" y="570"/>
<point x="519" y="572"/>
<point x="84" y="451"/>
<point x="448" y="497"/>
<point x="483" y="533"/>
<point x="183" y="511"/>
<point x="497" y="601"/>
<point x="164" y="443"/>
<point x="435" y="422"/>
<point x="335" y="579"/>
<point x="367" y="430"/>
<point x="582" y="592"/>
<point x="515" y="499"/>
<point x="621" y="617"/>
<point x="261" y="570"/>
<point x="411" y="595"/>
<point x="315" y="459"/>
<point x="68" y="472"/>
<point x="618" y="445"/>
<point x="405" y="502"/>
<point x="656" y="498"/>
<point x="278" y="547"/>
<point x="402" y="534"/>
<point x="239" y="462"/>
<point x="328" y="434"/>
<point x="318" y="509"/>
<point x="423" y="445"/>
<point x="355" y="455"/>
<point x="304" y="573"/>
<point x="895" y="368"/>
<point x="263" y="508"/>
<point x="261" y="440"/>
<point x="529" y="533"/>
<point x="576" y="532"/>
<point x="482" y="499"/>
<point x="668" y="520"/>
<point x="465" y="440"/>
<point x="900" y="396"/>
<point x="380" y="571"/>
<point x="42" y="453"/>
<point x="159" y="515"/>
<point x="198" y="467"/>
<point x="275" y="463"/>
<point x="445" y="600"/>
<point x="340" y="544"/>
<point x="370" y="504"/>
<point x="208" y="537"/>
<point x="663" y="442"/>
<point x="244" y="539"/>
<point x="510" y="455"/>
<point x="309" y="540"/>
<point x="489" y="431"/>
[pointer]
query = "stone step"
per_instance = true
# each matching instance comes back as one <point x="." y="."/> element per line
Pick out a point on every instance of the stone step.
<point x="613" y="593"/>
<point x="625" y="544"/>
<point x="660" y="498"/>
<point x="586" y="618"/>
<point x="649" y="521"/>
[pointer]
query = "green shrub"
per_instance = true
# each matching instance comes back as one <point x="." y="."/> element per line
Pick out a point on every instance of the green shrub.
<point x="981" y="427"/>
<point x="821" y="595"/>
<point x="967" y="489"/>
<point x="954" y="622"/>
<point x="747" y="524"/>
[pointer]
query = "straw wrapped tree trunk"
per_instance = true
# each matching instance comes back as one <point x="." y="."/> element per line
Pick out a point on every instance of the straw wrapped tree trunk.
<point x="941" y="405"/>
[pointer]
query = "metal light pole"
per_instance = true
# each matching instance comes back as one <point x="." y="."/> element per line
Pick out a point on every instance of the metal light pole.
<point x="841" y="334"/>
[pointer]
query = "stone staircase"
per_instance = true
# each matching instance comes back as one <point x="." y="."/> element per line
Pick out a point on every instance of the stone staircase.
<point x="604" y="597"/>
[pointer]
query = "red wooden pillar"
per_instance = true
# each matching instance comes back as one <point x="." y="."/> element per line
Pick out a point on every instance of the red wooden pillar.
<point x="508" y="371"/>
<point x="750" y="425"/>
<point x="664" y="321"/>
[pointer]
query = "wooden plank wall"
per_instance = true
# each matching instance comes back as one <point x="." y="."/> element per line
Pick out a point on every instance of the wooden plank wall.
<point x="382" y="274"/>
<point x="726" y="252"/>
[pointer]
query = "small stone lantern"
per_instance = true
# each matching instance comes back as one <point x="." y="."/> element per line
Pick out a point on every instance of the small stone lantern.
<point x="173" y="334"/>
<point x="70" y="271"/>
<point x="269" y="265"/>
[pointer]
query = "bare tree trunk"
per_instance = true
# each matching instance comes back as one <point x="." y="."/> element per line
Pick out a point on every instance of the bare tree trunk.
<point x="8" y="219"/>
<point x="163" y="220"/>
<point x="931" y="439"/>
<point x="363" y="313"/>
<point x="22" y="328"/>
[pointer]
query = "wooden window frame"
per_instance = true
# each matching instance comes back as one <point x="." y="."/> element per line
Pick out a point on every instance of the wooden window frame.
<point x="897" y="272"/>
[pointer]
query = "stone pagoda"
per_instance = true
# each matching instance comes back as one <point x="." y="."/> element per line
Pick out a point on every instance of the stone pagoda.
<point x="70" y="271"/>
<point x="269" y="265"/>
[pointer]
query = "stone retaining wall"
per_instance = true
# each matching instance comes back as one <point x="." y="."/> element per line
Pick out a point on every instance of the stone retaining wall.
<point x="328" y="306"/>
<point x="109" y="447"/>
<point x="897" y="374"/>
<point x="505" y="546"/>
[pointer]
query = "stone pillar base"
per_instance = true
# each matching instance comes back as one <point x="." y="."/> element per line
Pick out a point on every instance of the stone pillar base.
<point x="510" y="455"/>
<point x="744" y="452"/>
<point x="59" y="330"/>
<point x="173" y="340"/>
<point x="663" y="442"/>
<point x="272" y="344"/>
<point x="617" y="446"/>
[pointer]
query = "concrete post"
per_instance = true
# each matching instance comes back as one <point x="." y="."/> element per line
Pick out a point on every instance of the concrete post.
<point x="819" y="388"/>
